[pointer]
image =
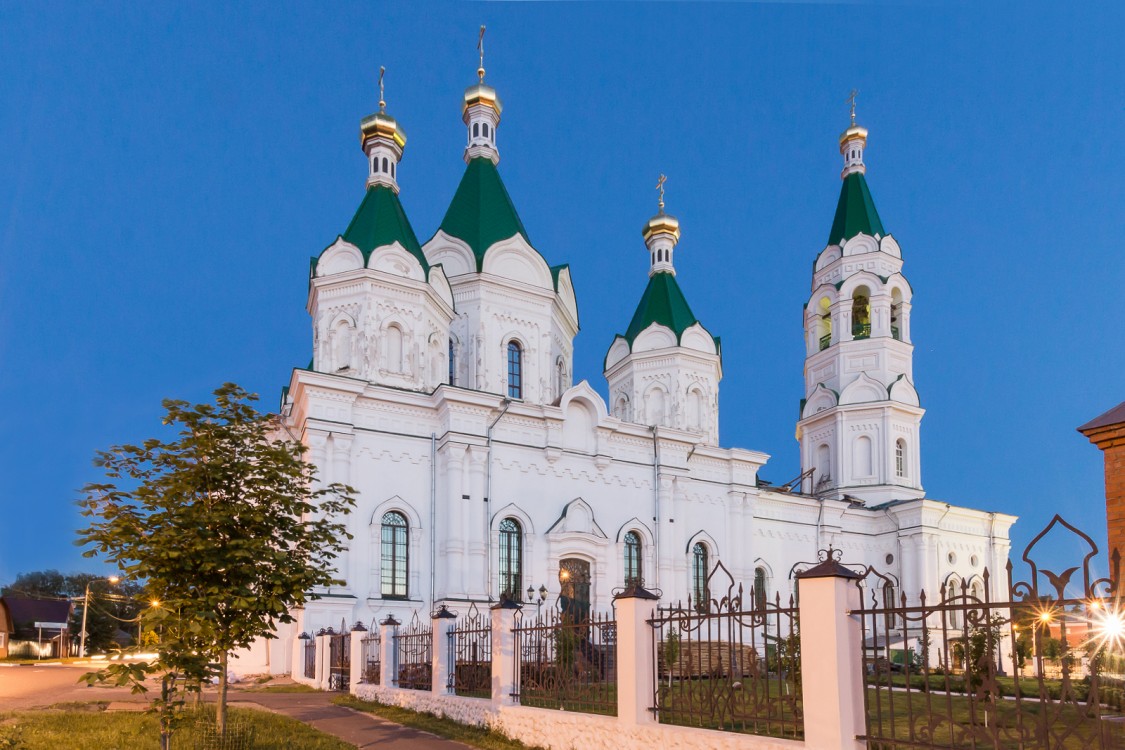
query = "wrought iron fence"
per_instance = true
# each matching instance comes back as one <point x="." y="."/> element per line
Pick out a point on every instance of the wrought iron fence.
<point x="567" y="661"/>
<point x="414" y="655"/>
<point x="372" y="656"/>
<point x="1033" y="669"/>
<point x="470" y="655"/>
<point x="729" y="662"/>
<point x="340" y="659"/>
<point x="310" y="658"/>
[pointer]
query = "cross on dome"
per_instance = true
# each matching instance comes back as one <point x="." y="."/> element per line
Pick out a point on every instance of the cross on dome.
<point x="661" y="234"/>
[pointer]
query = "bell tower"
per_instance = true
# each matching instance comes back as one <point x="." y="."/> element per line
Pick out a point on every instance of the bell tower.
<point x="860" y="417"/>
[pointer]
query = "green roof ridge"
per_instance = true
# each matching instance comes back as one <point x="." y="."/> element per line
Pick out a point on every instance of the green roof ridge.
<point x="663" y="302"/>
<point x="855" y="211"/>
<point x="481" y="212"/>
<point x="380" y="220"/>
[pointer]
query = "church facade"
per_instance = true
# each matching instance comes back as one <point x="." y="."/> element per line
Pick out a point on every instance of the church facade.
<point x="441" y="387"/>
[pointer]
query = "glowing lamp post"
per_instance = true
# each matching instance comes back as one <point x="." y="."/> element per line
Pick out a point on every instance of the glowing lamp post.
<point x="86" y="608"/>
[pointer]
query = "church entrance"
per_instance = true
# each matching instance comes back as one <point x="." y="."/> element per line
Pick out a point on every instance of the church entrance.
<point x="574" y="588"/>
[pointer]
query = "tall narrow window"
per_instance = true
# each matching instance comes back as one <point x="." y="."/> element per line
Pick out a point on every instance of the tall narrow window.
<point x="633" y="572"/>
<point x="394" y="349"/>
<point x="699" y="575"/>
<point x="511" y="559"/>
<point x="515" y="370"/>
<point x="760" y="588"/>
<point x="452" y="365"/>
<point x="395" y="557"/>
<point x="900" y="457"/>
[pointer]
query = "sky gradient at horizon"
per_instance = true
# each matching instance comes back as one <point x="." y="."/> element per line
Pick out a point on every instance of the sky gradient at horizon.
<point x="169" y="171"/>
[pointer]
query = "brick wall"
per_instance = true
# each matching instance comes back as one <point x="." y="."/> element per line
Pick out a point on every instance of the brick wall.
<point x="1108" y="433"/>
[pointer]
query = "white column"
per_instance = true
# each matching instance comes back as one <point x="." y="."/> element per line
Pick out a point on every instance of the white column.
<point x="504" y="654"/>
<point x="831" y="658"/>
<point x="443" y="664"/>
<point x="387" y="630"/>
<point x="636" y="660"/>
<point x="456" y="540"/>
<point x="355" y="675"/>
<point x="341" y="450"/>
<point x="322" y="667"/>
<point x="477" y="586"/>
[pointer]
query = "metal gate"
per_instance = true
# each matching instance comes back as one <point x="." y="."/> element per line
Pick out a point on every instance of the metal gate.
<point x="340" y="660"/>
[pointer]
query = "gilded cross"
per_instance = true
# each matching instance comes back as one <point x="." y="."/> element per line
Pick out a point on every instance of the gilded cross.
<point x="382" y="103"/>
<point x="851" y="103"/>
<point x="480" y="49"/>
<point x="660" y="187"/>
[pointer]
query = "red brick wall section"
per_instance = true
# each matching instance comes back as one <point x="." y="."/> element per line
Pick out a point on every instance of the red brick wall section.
<point x="1111" y="439"/>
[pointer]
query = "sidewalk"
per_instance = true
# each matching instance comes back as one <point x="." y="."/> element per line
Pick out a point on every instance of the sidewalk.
<point x="360" y="729"/>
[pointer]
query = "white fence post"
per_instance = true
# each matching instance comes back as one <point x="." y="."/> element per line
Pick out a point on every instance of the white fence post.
<point x="300" y="642"/>
<point x="504" y="655"/>
<point x="444" y="621"/>
<point x="636" y="660"/>
<point x="388" y="628"/>
<point x="832" y="686"/>
<point x="321" y="672"/>
<point x="358" y="667"/>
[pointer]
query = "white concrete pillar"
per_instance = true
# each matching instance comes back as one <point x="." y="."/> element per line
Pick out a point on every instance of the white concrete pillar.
<point x="341" y="457"/>
<point x="475" y="524"/>
<point x="320" y="681"/>
<point x="505" y="655"/>
<point x="458" y="510"/>
<point x="832" y="686"/>
<point x="355" y="675"/>
<point x="443" y="662"/>
<point x="636" y="658"/>
<point x="387" y="666"/>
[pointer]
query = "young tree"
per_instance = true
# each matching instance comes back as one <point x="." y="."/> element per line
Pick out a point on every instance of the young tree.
<point x="225" y="524"/>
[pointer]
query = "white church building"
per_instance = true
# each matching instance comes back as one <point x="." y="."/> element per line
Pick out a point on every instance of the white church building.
<point x="441" y="388"/>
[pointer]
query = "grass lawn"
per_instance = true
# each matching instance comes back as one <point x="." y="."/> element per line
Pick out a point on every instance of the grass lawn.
<point x="90" y="727"/>
<point x="294" y="688"/>
<point x="480" y="737"/>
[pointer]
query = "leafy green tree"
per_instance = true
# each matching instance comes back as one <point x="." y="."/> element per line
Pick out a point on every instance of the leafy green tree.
<point x="226" y="525"/>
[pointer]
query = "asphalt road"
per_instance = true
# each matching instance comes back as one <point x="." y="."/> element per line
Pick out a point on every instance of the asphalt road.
<point x="33" y="686"/>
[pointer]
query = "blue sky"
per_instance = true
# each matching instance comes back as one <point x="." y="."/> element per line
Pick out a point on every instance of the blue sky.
<point x="168" y="171"/>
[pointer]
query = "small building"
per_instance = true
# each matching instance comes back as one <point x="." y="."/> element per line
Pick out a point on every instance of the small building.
<point x="34" y="627"/>
<point x="1108" y="433"/>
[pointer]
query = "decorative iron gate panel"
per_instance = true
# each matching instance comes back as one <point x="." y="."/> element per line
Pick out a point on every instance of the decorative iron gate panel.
<point x="1042" y="668"/>
<point x="310" y="658"/>
<point x="339" y="661"/>
<point x="567" y="662"/>
<point x="414" y="656"/>
<point x="470" y="654"/>
<point x="372" y="656"/>
<point x="729" y="663"/>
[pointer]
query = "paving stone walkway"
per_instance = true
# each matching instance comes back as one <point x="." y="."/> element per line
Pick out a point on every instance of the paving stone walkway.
<point x="360" y="729"/>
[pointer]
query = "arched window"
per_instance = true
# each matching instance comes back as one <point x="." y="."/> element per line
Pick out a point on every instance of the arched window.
<point x="760" y="584"/>
<point x="896" y="314"/>
<point x="823" y="465"/>
<point x="476" y="129"/>
<point x="861" y="313"/>
<point x="699" y="567"/>
<point x="394" y="555"/>
<point x="695" y="409"/>
<point x="392" y="169"/>
<point x="386" y="167"/>
<point x="824" y="326"/>
<point x="952" y="591"/>
<point x="888" y="596"/>
<point x="900" y="457"/>
<point x="375" y="164"/>
<point x="452" y="365"/>
<point x="511" y="559"/>
<point x="654" y="406"/>
<point x="633" y="570"/>
<point x="560" y="377"/>
<point x="515" y="370"/>
<point x="484" y="129"/>
<point x="394" y="348"/>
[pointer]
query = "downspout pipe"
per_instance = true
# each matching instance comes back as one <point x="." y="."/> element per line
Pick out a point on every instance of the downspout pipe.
<point x="433" y="517"/>
<point x="656" y="503"/>
<point x="488" y="495"/>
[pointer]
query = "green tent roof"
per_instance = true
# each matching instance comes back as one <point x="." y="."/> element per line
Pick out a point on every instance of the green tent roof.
<point x="662" y="303"/>
<point x="482" y="213"/>
<point x="855" y="213"/>
<point x="381" y="221"/>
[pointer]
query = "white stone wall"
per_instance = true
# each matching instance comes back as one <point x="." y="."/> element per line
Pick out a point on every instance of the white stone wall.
<point x="568" y="730"/>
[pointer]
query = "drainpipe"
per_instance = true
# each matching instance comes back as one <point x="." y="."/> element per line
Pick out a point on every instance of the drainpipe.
<point x="488" y="496"/>
<point x="656" y="502"/>
<point x="433" y="516"/>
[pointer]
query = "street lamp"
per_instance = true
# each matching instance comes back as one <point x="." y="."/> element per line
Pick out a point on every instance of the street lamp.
<point x="86" y="608"/>
<point x="538" y="602"/>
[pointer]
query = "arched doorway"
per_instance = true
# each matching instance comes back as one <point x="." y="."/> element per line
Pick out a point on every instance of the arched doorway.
<point x="574" y="588"/>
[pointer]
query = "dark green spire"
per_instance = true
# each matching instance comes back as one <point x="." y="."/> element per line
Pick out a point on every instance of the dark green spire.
<point x="664" y="303"/>
<point x="855" y="212"/>
<point x="481" y="213"/>
<point x="381" y="221"/>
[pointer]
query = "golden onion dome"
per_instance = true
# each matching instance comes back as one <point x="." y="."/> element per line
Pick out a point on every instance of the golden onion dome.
<point x="662" y="223"/>
<point x="482" y="93"/>
<point x="853" y="133"/>
<point x="381" y="125"/>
